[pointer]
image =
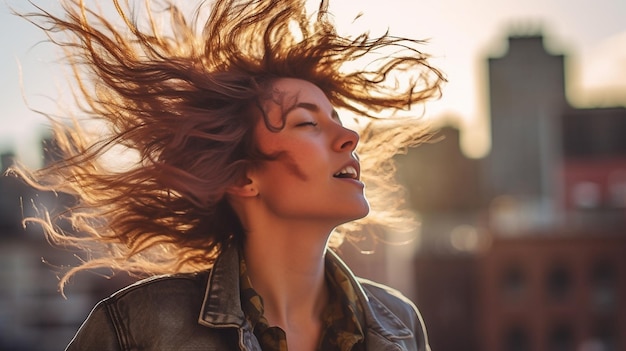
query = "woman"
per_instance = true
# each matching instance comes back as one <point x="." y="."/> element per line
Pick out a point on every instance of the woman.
<point x="242" y="170"/>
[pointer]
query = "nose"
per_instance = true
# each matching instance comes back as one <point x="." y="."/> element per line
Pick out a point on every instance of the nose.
<point x="347" y="139"/>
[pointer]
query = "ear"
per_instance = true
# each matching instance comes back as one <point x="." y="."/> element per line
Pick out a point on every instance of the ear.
<point x="247" y="188"/>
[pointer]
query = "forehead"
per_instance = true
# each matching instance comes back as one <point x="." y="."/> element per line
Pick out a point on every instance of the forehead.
<point x="291" y="91"/>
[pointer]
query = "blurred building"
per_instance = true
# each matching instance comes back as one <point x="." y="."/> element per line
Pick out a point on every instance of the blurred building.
<point x="553" y="291"/>
<point x="526" y="100"/>
<point x="526" y="248"/>
<point x="33" y="313"/>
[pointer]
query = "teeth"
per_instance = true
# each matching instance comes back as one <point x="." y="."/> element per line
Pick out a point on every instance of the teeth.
<point x="347" y="171"/>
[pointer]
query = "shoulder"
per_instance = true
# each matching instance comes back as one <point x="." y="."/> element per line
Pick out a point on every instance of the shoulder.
<point x="151" y="314"/>
<point x="171" y="295"/>
<point x="385" y="299"/>
<point x="389" y="297"/>
<point x="163" y="286"/>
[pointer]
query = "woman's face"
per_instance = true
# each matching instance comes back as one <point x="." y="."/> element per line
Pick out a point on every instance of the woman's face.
<point x="316" y="175"/>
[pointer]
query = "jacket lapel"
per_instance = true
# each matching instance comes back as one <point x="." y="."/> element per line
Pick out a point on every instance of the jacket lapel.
<point x="384" y="328"/>
<point x="221" y="307"/>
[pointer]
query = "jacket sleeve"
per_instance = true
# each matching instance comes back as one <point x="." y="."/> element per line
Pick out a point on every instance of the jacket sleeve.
<point x="97" y="332"/>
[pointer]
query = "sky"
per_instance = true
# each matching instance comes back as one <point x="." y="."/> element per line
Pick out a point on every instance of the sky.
<point x="461" y="35"/>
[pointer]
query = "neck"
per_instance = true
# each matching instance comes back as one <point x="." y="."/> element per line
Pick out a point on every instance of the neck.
<point x="287" y="269"/>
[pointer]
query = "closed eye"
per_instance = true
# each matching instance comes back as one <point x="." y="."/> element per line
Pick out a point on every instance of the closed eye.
<point x="314" y="124"/>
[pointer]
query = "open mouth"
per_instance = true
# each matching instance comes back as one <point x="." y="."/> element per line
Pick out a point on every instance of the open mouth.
<point x="348" y="172"/>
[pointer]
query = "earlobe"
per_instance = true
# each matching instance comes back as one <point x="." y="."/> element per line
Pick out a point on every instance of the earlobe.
<point x="244" y="190"/>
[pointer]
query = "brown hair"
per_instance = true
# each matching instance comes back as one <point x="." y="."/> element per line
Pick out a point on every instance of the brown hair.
<point x="180" y="99"/>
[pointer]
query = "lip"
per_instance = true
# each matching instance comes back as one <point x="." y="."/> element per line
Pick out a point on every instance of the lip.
<point x="356" y="165"/>
<point x="354" y="181"/>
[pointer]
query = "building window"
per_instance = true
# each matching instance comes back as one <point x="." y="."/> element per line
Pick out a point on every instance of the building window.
<point x="603" y="286"/>
<point x="558" y="282"/>
<point x="617" y="188"/>
<point x="516" y="338"/>
<point x="561" y="338"/>
<point x="586" y="195"/>
<point x="603" y="338"/>
<point x="514" y="283"/>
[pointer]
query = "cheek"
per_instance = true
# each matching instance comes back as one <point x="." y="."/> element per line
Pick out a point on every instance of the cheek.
<point x="288" y="157"/>
<point x="281" y="169"/>
<point x="292" y="166"/>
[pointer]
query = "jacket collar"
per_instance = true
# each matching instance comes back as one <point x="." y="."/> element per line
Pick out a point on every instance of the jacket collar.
<point x="383" y="326"/>
<point x="221" y="307"/>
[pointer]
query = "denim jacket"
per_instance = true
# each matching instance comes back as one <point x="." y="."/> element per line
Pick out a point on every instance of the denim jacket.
<point x="202" y="311"/>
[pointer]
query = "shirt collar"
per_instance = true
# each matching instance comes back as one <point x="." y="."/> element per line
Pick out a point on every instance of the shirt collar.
<point x="344" y="317"/>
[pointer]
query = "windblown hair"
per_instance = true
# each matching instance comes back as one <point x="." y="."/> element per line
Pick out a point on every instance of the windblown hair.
<point x="180" y="99"/>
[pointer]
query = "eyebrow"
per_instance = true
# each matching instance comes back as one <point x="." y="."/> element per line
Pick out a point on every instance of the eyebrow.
<point x="314" y="108"/>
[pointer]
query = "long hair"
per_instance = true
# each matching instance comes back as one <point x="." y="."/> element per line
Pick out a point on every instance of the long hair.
<point x="179" y="99"/>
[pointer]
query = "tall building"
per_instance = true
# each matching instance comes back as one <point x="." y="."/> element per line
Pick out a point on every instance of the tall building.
<point x="527" y="96"/>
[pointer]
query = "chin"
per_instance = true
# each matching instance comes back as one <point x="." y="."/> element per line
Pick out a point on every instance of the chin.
<point x="363" y="210"/>
<point x="349" y="213"/>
